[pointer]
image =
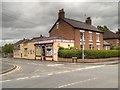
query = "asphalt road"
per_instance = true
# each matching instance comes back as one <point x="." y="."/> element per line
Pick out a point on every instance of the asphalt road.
<point x="40" y="74"/>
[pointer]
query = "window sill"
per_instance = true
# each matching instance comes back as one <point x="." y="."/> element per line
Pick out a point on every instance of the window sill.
<point x="97" y="41"/>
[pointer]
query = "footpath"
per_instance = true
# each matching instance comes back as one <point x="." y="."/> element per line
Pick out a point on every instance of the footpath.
<point x="5" y="68"/>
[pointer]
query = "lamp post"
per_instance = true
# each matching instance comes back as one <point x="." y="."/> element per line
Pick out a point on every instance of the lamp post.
<point x="82" y="42"/>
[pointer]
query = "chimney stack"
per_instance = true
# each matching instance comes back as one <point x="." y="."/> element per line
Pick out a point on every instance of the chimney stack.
<point x="88" y="20"/>
<point x="61" y="13"/>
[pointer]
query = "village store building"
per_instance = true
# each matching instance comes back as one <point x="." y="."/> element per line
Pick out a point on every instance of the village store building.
<point x="75" y="30"/>
<point x="41" y="48"/>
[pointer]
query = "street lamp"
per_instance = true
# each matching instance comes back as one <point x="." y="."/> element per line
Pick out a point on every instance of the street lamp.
<point x="82" y="42"/>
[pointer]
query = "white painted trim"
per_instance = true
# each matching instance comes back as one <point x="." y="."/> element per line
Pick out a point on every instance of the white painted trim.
<point x="81" y="43"/>
<point x="82" y="31"/>
<point x="97" y="43"/>
<point x="90" y="32"/>
<point x="90" y="43"/>
<point x="97" y="33"/>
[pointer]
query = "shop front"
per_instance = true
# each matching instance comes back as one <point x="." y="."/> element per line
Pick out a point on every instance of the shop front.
<point x="48" y="50"/>
<point x="44" y="51"/>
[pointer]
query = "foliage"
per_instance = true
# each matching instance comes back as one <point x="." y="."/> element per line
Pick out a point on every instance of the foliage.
<point x="112" y="47"/>
<point x="7" y="48"/>
<point x="103" y="28"/>
<point x="118" y="32"/>
<point x="70" y="53"/>
<point x="92" y="54"/>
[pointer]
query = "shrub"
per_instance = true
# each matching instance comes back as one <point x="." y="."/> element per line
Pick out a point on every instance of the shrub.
<point x="70" y="53"/>
<point x="92" y="54"/>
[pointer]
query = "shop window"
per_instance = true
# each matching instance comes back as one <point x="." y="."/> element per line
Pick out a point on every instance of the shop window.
<point x="25" y="51"/>
<point x="49" y="52"/>
<point x="38" y="51"/>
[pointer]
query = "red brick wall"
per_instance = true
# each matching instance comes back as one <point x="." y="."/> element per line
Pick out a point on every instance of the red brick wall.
<point x="113" y="41"/>
<point x="68" y="32"/>
<point x="101" y="41"/>
<point x="94" y="40"/>
<point x="86" y="37"/>
<point x="64" y="30"/>
<point x="77" y="38"/>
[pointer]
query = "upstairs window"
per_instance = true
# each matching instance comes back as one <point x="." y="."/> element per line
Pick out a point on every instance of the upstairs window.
<point x="57" y="25"/>
<point x="90" y="36"/>
<point x="98" y="37"/>
<point x="81" y="36"/>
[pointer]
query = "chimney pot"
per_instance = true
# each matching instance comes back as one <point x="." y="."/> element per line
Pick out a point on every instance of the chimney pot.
<point x="61" y="13"/>
<point x="88" y="20"/>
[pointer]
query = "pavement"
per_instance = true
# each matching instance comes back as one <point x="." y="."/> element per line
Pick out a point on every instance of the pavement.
<point x="6" y="67"/>
<point x="40" y="74"/>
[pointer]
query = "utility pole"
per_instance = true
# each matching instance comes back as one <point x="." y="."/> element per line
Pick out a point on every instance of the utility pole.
<point x="82" y="42"/>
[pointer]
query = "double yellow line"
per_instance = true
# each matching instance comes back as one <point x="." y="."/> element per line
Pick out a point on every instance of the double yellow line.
<point x="16" y="68"/>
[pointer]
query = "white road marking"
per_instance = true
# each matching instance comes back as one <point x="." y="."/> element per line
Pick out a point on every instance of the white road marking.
<point x="53" y="65"/>
<point x="22" y="78"/>
<point x="50" y="74"/>
<point x="70" y="84"/>
<point x="34" y="64"/>
<point x="30" y="77"/>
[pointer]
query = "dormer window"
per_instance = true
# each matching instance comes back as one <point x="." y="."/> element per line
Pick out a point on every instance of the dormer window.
<point x="57" y="25"/>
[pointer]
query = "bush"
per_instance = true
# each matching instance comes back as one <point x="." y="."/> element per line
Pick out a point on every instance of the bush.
<point x="92" y="54"/>
<point x="70" y="53"/>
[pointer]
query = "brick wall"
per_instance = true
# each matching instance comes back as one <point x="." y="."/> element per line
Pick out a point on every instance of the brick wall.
<point x="64" y="30"/>
<point x="113" y="41"/>
<point x="68" y="32"/>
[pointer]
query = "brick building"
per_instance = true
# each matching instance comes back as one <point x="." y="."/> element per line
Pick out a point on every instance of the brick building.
<point x="111" y="38"/>
<point x="74" y="29"/>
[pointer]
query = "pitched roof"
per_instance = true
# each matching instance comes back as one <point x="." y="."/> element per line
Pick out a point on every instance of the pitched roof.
<point x="78" y="24"/>
<point x="110" y="35"/>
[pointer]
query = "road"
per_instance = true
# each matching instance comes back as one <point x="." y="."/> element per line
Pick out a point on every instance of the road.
<point x="41" y="74"/>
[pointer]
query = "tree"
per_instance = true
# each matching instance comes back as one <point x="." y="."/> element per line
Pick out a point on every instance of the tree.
<point x="7" y="48"/>
<point x="118" y="32"/>
<point x="102" y="28"/>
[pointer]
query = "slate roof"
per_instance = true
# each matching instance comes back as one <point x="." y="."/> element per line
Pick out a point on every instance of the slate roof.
<point x="78" y="25"/>
<point x="110" y="35"/>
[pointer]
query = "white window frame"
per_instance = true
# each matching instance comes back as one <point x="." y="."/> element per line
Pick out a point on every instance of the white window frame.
<point x="90" y="47"/>
<point x="90" y="36"/>
<point x="83" y="35"/>
<point x="98" y="48"/>
<point x="57" y="25"/>
<point x="98" y="37"/>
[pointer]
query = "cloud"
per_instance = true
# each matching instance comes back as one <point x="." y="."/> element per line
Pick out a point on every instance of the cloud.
<point x="30" y="19"/>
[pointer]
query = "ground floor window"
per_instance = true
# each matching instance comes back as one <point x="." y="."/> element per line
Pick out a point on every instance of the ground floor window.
<point x="98" y="47"/>
<point x="90" y="46"/>
<point x="38" y="51"/>
<point x="49" y="50"/>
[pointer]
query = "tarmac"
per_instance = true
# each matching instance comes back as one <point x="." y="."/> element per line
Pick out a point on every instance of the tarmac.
<point x="6" y="67"/>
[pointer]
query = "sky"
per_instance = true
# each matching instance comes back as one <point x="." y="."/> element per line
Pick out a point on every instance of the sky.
<point x="31" y="19"/>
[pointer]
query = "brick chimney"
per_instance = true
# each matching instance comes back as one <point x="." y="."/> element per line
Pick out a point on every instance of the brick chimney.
<point x="61" y="13"/>
<point x="88" y="20"/>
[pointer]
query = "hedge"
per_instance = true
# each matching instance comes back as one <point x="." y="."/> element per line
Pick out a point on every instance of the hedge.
<point x="90" y="54"/>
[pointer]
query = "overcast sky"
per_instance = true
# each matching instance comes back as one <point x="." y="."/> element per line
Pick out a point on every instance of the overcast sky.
<point x="30" y="19"/>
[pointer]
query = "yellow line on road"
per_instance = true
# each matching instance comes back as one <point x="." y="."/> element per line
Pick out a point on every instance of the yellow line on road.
<point x="14" y="70"/>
